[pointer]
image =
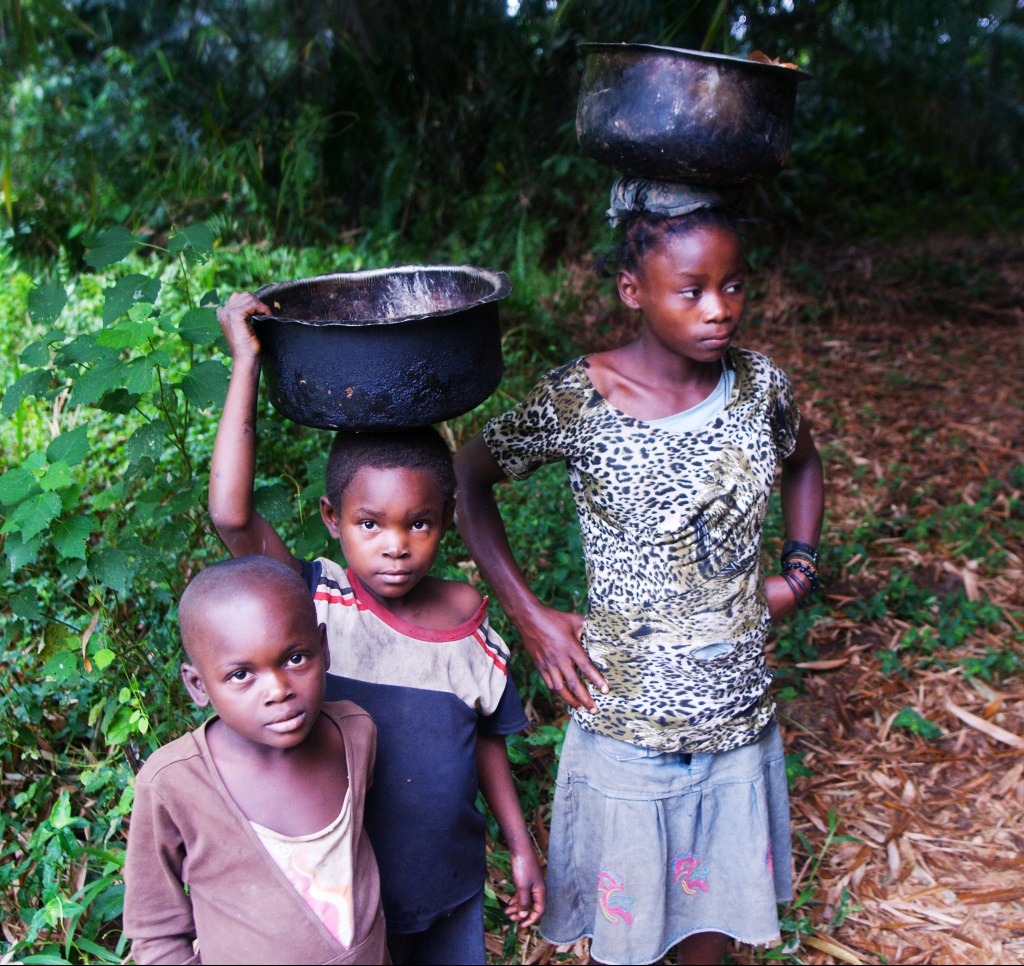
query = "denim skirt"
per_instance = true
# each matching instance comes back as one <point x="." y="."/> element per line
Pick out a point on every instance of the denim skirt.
<point x="650" y="847"/>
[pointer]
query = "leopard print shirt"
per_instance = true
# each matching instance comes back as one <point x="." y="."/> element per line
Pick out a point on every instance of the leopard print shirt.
<point x="671" y="525"/>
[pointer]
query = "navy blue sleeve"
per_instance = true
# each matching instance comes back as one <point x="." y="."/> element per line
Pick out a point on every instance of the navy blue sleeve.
<point x="311" y="571"/>
<point x="507" y="718"/>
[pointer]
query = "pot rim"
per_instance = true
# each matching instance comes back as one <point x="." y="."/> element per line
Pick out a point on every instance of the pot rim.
<point x="500" y="282"/>
<point x="590" y="47"/>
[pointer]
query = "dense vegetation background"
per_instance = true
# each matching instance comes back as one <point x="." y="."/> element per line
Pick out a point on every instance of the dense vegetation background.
<point x="155" y="157"/>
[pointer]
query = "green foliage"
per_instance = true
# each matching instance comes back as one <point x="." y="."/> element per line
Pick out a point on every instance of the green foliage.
<point x="908" y="718"/>
<point x="450" y="128"/>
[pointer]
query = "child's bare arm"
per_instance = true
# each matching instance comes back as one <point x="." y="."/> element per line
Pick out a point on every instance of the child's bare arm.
<point x="233" y="466"/>
<point x="527" y="906"/>
<point x="551" y="637"/>
<point x="803" y="504"/>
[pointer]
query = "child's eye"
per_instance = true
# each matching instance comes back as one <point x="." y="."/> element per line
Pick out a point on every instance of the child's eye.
<point x="420" y="525"/>
<point x="367" y="525"/>
<point x="736" y="288"/>
<point x="690" y="293"/>
<point x="298" y="658"/>
<point x="240" y="675"/>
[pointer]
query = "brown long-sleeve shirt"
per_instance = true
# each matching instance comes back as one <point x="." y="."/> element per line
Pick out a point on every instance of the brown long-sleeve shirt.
<point x="196" y="869"/>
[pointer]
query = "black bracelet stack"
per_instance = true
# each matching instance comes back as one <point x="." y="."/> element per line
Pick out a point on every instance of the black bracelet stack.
<point x="803" y="558"/>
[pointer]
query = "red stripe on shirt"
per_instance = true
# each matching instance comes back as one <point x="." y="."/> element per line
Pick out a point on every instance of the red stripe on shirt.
<point x="333" y="598"/>
<point x="491" y="652"/>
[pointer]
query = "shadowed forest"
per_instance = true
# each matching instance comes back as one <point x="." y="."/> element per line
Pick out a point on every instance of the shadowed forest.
<point x="156" y="157"/>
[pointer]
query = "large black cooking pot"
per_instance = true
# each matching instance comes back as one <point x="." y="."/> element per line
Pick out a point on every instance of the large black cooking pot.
<point x="386" y="349"/>
<point x="683" y="115"/>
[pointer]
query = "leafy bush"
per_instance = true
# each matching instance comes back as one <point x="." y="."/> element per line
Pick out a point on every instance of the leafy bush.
<point x="116" y="378"/>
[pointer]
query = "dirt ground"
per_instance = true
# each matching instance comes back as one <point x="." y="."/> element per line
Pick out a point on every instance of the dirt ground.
<point x="909" y="359"/>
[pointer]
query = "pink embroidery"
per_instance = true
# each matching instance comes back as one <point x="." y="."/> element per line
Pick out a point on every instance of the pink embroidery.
<point x="612" y="899"/>
<point x="689" y="873"/>
<point x="768" y="860"/>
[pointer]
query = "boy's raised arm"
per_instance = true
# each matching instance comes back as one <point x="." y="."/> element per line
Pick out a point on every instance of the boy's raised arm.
<point x="233" y="466"/>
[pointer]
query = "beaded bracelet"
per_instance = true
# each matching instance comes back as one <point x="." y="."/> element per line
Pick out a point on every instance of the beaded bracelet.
<point x="795" y="548"/>
<point x="809" y="572"/>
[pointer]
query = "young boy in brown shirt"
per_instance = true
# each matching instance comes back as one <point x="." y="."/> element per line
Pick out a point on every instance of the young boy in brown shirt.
<point x="246" y="835"/>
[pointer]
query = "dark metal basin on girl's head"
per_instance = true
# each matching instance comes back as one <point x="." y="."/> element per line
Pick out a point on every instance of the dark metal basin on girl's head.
<point x="387" y="349"/>
<point x="683" y="115"/>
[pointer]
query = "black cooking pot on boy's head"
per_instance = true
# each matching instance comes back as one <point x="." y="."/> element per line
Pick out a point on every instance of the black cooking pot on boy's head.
<point x="384" y="350"/>
<point x="684" y="115"/>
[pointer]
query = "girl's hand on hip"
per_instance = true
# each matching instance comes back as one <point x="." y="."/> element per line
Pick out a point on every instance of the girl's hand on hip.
<point x="234" y="319"/>
<point x="527" y="905"/>
<point x="552" y="639"/>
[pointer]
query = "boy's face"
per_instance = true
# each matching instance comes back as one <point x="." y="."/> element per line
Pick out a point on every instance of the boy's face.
<point x="261" y="662"/>
<point x="390" y="524"/>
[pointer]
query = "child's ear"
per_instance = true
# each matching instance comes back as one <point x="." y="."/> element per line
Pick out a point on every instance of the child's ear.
<point x="322" y="630"/>
<point x="194" y="685"/>
<point x="330" y="516"/>
<point x="629" y="287"/>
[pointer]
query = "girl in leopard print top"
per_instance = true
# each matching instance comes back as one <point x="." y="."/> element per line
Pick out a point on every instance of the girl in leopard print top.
<point x="670" y="821"/>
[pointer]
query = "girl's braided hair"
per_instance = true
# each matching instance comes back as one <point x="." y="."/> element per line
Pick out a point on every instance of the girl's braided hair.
<point x="645" y="231"/>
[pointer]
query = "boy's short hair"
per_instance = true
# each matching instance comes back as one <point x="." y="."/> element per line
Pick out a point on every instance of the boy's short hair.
<point x="410" y="449"/>
<point x="240" y="575"/>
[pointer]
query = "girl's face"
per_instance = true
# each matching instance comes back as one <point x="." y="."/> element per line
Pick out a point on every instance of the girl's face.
<point x="692" y="291"/>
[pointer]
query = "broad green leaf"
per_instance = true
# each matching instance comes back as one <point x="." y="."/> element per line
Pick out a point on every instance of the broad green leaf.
<point x="56" y="639"/>
<point x="141" y="311"/>
<point x="71" y="535"/>
<point x="206" y="385"/>
<point x="21" y="552"/>
<point x="45" y="303"/>
<point x="60" y="814"/>
<point x="137" y="376"/>
<point x="61" y="667"/>
<point x="35" y="354"/>
<point x="15" y="485"/>
<point x="112" y="246"/>
<point x="125" y="292"/>
<point x="25" y="605"/>
<point x="210" y="298"/>
<point x="118" y="401"/>
<point x="33" y="383"/>
<point x="199" y="326"/>
<point x="71" y="447"/>
<point x="103" y="377"/>
<point x="274" y="503"/>
<point x="127" y="334"/>
<point x="120" y="727"/>
<point x="103" y="658"/>
<point x="109" y="497"/>
<point x="34" y="461"/>
<point x="56" y="477"/>
<point x="33" y="515"/>
<point x="148" y="440"/>
<point x="82" y="350"/>
<point x="196" y="242"/>
<point x="110" y="567"/>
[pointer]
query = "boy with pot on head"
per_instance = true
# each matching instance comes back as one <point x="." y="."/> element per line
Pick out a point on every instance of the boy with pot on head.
<point x="247" y="834"/>
<point x="415" y="651"/>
